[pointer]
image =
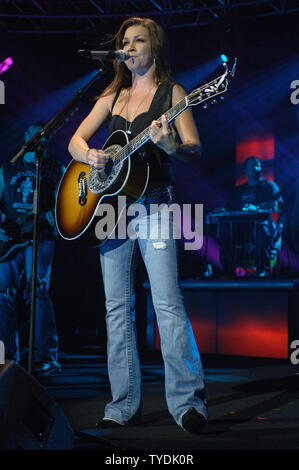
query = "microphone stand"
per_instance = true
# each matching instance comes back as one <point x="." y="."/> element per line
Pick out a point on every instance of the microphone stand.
<point x="37" y="144"/>
<point x="39" y="152"/>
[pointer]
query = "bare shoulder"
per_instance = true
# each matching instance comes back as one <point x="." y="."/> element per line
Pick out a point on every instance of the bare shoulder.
<point x="105" y="101"/>
<point x="178" y="93"/>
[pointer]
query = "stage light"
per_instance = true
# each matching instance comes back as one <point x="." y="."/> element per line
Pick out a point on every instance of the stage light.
<point x="5" y="64"/>
<point x="223" y="58"/>
<point x="193" y="77"/>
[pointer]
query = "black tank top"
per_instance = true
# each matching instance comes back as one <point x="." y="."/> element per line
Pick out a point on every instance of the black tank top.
<point x="160" y="163"/>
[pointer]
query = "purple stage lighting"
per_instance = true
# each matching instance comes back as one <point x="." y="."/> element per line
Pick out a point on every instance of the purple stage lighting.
<point x="5" y="64"/>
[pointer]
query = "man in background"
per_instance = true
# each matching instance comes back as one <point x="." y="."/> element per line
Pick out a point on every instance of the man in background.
<point x="256" y="195"/>
<point x="17" y="183"/>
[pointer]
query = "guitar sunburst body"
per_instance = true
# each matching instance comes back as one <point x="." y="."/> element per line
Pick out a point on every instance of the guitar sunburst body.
<point x="76" y="204"/>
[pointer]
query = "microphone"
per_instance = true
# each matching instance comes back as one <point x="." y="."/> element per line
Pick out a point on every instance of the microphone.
<point x="120" y="55"/>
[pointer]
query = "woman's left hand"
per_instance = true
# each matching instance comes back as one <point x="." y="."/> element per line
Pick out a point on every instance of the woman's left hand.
<point x="163" y="135"/>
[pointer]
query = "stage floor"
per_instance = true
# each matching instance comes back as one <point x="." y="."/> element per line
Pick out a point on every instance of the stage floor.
<point x="253" y="404"/>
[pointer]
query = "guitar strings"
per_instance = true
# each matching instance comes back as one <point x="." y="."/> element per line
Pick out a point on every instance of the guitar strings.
<point x="171" y="114"/>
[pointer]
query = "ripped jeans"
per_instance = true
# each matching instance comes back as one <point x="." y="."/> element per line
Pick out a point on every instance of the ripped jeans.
<point x="184" y="377"/>
<point x="11" y="272"/>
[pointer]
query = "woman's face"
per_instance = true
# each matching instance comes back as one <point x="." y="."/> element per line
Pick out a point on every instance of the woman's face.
<point x="137" y="43"/>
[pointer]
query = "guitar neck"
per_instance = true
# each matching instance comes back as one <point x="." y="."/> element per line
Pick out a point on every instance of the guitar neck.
<point x="205" y="92"/>
<point x="144" y="136"/>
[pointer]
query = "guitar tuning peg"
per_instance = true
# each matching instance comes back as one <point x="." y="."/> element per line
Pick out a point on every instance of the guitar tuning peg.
<point x="205" y="106"/>
<point x="213" y="101"/>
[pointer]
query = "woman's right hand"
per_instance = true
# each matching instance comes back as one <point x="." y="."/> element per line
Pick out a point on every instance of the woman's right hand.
<point x="97" y="158"/>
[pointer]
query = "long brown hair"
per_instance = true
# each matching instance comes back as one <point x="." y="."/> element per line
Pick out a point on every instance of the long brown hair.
<point x="162" y="73"/>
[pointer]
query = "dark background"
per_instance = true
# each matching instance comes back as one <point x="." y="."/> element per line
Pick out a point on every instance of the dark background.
<point x="47" y="72"/>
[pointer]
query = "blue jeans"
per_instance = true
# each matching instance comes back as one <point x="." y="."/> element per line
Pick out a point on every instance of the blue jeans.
<point x="184" y="377"/>
<point x="11" y="272"/>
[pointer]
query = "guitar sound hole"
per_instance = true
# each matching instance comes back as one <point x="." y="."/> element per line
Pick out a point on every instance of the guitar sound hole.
<point x="108" y="167"/>
<point x="99" y="181"/>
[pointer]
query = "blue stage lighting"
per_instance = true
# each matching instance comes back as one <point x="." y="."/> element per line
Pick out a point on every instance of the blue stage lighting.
<point x="223" y="58"/>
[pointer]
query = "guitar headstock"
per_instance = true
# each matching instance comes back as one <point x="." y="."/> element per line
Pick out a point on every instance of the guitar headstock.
<point x="211" y="90"/>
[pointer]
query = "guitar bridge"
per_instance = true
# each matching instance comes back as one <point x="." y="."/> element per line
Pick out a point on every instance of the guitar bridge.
<point x="82" y="182"/>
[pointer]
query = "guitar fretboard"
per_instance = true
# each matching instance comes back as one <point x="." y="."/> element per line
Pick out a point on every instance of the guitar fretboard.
<point x="144" y="136"/>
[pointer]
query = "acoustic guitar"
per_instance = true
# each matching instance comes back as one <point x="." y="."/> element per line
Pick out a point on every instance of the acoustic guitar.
<point x="83" y="189"/>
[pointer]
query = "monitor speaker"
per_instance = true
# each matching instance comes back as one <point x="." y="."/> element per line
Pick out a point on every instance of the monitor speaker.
<point x="29" y="417"/>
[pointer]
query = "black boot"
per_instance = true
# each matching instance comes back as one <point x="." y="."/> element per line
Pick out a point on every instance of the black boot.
<point x="193" y="421"/>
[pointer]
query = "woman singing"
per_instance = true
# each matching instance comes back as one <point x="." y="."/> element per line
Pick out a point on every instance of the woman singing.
<point x="141" y="92"/>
